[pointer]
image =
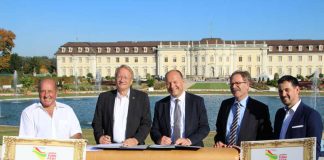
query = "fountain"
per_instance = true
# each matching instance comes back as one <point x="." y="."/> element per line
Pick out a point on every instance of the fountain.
<point x="315" y="88"/>
<point x="76" y="85"/>
<point x="98" y="82"/>
<point x="15" y="86"/>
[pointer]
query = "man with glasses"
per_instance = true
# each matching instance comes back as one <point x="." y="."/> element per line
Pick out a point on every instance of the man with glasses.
<point x="122" y="115"/>
<point x="241" y="118"/>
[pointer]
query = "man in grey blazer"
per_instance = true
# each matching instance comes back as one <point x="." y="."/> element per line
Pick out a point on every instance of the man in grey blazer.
<point x="192" y="119"/>
<point x="122" y="115"/>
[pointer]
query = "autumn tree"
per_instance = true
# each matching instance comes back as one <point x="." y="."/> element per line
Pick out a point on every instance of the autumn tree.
<point x="6" y="44"/>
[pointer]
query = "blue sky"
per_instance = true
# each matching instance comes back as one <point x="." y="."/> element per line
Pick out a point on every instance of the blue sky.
<point x="41" y="26"/>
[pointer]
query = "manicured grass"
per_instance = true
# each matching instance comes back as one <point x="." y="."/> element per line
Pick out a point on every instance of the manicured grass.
<point x="88" y="134"/>
<point x="209" y="86"/>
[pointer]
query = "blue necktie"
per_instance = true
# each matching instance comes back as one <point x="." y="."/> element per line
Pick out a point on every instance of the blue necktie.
<point x="233" y="130"/>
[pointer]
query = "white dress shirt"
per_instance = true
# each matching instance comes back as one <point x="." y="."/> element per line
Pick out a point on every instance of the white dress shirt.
<point x="35" y="122"/>
<point x="120" y="117"/>
<point x="181" y="103"/>
<point x="285" y="124"/>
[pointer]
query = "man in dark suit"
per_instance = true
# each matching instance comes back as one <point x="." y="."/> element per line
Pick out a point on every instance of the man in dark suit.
<point x="296" y="119"/>
<point x="241" y="118"/>
<point x="122" y="115"/>
<point x="190" y="126"/>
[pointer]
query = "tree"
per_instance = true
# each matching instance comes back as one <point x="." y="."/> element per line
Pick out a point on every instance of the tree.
<point x="6" y="45"/>
<point x="27" y="82"/>
<point x="15" y="63"/>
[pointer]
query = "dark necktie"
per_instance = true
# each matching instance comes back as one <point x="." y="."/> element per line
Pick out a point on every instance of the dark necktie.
<point x="177" y="121"/>
<point x="234" y="126"/>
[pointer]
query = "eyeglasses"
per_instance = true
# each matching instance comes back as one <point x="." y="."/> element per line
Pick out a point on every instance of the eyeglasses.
<point x="236" y="83"/>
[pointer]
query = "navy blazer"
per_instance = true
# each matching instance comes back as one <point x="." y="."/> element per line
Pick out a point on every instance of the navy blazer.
<point x="196" y="121"/>
<point x="138" y="117"/>
<point x="306" y="122"/>
<point x="255" y="125"/>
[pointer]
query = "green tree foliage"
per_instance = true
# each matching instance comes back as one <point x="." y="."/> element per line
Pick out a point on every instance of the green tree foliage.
<point x="15" y="63"/>
<point x="27" y="82"/>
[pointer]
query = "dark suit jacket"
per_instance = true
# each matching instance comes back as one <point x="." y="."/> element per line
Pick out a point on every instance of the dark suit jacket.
<point x="255" y="125"/>
<point x="196" y="121"/>
<point x="309" y="122"/>
<point x="138" y="118"/>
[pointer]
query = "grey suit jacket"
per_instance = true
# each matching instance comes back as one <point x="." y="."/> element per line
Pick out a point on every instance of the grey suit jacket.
<point x="138" y="118"/>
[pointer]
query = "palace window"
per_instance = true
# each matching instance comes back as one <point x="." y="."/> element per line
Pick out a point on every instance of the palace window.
<point x="108" y="59"/>
<point x="183" y="59"/>
<point x="300" y="48"/>
<point x="310" y="47"/>
<point x="108" y="49"/>
<point x="320" y="58"/>
<point x="145" y="49"/>
<point x="280" y="58"/>
<point x="70" y="49"/>
<point x="135" y="59"/>
<point x="63" y="59"/>
<point x="240" y="58"/>
<point x="289" y="58"/>
<point x="300" y="58"/>
<point x="310" y="58"/>
<point x="270" y="48"/>
<point x="212" y="59"/>
<point x="79" y="49"/>
<point x="135" y="49"/>
<point x="87" y="49"/>
<point x="126" y="59"/>
<point x="258" y="58"/>
<point x="165" y="59"/>
<point x="80" y="59"/>
<point x="117" y="59"/>
<point x="63" y="49"/>
<point x="270" y="58"/>
<point x="87" y="60"/>
<point x="117" y="49"/>
<point x="70" y="59"/>
<point x="99" y="49"/>
<point x="290" y="48"/>
<point x="126" y="49"/>
<point x="249" y="59"/>
<point x="280" y="48"/>
<point x="174" y="59"/>
<point x="145" y="59"/>
<point x="320" y="47"/>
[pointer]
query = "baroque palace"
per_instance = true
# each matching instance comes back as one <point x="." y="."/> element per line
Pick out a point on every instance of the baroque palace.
<point x="209" y="58"/>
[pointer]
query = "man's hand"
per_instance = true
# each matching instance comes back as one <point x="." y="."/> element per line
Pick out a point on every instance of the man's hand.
<point x="130" y="142"/>
<point x="105" y="139"/>
<point x="183" y="142"/>
<point x="165" y="140"/>
<point x="220" y="144"/>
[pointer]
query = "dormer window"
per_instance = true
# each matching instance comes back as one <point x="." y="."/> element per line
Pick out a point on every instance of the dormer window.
<point x="63" y="49"/>
<point x="117" y="49"/>
<point x="145" y="49"/>
<point x="70" y="49"/>
<point x="320" y="47"/>
<point x="290" y="48"/>
<point x="99" y="49"/>
<point x="135" y="49"/>
<point x="87" y="49"/>
<point x="310" y="47"/>
<point x="153" y="49"/>
<point x="300" y="48"/>
<point x="108" y="49"/>
<point x="270" y="48"/>
<point x="280" y="48"/>
<point x="79" y="49"/>
<point x="126" y="49"/>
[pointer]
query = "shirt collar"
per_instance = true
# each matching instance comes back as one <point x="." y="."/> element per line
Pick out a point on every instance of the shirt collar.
<point x="182" y="97"/>
<point x="120" y="96"/>
<point x="56" y="105"/>
<point x="293" y="108"/>
<point x="243" y="102"/>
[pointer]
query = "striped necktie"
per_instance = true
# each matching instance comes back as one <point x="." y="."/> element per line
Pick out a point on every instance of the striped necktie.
<point x="233" y="130"/>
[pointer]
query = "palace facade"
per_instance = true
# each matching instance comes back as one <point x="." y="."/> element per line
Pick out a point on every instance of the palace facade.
<point x="209" y="58"/>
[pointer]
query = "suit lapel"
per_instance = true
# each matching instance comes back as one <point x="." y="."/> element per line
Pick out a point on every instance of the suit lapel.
<point x="188" y="111"/>
<point x="294" y="120"/>
<point x="166" y="110"/>
<point x="111" y="105"/>
<point x="131" y="109"/>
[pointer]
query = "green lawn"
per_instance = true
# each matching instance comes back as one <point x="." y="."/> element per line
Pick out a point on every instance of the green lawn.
<point x="209" y="86"/>
<point x="88" y="134"/>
